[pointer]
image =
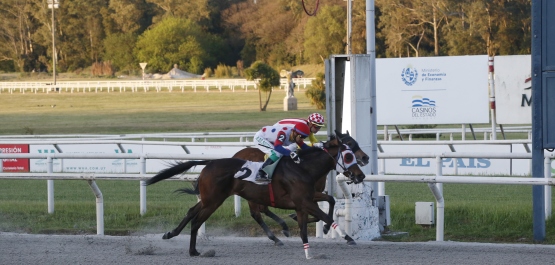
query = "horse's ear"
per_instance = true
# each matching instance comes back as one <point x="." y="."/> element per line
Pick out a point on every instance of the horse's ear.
<point x="338" y="133"/>
<point x="331" y="137"/>
<point x="348" y="133"/>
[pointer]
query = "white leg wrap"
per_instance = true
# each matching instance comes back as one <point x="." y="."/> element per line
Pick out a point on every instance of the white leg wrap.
<point x="307" y="251"/>
<point x="338" y="229"/>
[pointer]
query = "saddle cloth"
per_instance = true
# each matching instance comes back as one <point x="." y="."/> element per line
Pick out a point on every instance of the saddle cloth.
<point x="249" y="171"/>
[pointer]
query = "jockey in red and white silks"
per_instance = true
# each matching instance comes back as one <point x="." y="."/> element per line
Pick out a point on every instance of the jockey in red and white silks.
<point x="280" y="140"/>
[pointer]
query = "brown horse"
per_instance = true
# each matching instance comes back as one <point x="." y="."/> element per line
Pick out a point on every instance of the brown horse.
<point x="254" y="154"/>
<point x="292" y="187"/>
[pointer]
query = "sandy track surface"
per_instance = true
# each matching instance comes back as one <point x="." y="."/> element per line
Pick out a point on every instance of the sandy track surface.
<point x="152" y="249"/>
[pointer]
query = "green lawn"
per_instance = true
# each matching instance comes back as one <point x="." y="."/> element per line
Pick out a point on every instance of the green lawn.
<point x="487" y="213"/>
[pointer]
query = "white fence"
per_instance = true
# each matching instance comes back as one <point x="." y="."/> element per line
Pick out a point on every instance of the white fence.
<point x="141" y="85"/>
<point x="435" y="181"/>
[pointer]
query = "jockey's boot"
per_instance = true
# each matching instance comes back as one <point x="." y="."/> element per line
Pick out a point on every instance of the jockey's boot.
<point x="262" y="176"/>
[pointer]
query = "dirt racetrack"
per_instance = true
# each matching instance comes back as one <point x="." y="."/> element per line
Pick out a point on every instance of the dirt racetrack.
<point x="151" y="249"/>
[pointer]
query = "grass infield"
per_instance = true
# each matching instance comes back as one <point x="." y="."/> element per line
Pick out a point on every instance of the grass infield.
<point x="482" y="213"/>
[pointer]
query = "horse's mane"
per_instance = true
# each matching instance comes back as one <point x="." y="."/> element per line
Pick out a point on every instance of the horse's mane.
<point x="304" y="152"/>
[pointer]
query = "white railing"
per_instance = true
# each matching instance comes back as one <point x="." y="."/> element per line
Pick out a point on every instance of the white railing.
<point x="141" y="85"/>
<point x="50" y="176"/>
<point x="435" y="182"/>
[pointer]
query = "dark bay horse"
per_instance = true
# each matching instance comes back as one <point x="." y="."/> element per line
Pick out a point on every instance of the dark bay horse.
<point x="254" y="154"/>
<point x="292" y="187"/>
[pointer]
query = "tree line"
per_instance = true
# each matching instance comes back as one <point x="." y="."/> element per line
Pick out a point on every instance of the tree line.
<point x="205" y="34"/>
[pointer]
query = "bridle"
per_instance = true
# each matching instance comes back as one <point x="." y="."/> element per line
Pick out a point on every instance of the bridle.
<point x="348" y="173"/>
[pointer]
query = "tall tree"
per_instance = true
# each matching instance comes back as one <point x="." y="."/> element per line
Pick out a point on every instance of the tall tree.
<point x="16" y="31"/>
<point x="81" y="33"/>
<point x="127" y="16"/>
<point x="325" y="34"/>
<point x="267" y="77"/>
<point x="178" y="41"/>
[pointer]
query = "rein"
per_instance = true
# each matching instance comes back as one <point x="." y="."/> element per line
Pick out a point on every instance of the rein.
<point x="339" y="154"/>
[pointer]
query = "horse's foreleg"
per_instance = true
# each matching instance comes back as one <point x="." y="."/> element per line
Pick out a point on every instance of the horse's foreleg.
<point x="255" y="214"/>
<point x="315" y="211"/>
<point x="318" y="197"/>
<point x="301" y="220"/>
<point x="284" y="227"/>
<point x="193" y="211"/>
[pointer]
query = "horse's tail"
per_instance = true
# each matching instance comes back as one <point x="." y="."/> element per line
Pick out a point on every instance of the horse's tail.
<point x="178" y="168"/>
<point x="194" y="191"/>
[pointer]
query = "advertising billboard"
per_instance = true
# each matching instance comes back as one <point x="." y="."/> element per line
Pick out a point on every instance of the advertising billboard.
<point x="513" y="89"/>
<point x="432" y="90"/>
<point x="15" y="164"/>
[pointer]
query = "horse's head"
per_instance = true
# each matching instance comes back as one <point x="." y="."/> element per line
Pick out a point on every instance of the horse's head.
<point x="362" y="158"/>
<point x="347" y="165"/>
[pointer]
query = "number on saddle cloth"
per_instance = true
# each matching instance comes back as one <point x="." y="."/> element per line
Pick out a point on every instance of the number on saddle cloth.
<point x="249" y="170"/>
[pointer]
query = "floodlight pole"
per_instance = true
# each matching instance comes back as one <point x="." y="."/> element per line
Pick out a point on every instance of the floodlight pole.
<point x="53" y="4"/>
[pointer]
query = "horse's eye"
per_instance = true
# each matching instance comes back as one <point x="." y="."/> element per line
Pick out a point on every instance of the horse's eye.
<point x="348" y="158"/>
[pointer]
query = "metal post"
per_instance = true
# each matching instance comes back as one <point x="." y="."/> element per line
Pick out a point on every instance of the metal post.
<point x="142" y="187"/>
<point x="349" y="22"/>
<point x="53" y="5"/>
<point x="492" y="100"/>
<point x="50" y="185"/>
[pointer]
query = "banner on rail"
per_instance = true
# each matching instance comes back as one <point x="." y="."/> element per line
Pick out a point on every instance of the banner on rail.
<point x="458" y="166"/>
<point x="118" y="165"/>
<point x="513" y="93"/>
<point x="432" y="90"/>
<point x="15" y="164"/>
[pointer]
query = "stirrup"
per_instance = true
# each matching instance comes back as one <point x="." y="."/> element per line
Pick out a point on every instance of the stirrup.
<point x="262" y="177"/>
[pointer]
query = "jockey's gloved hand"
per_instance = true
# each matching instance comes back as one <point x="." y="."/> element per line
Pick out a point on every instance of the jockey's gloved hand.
<point x="295" y="157"/>
<point x="318" y="144"/>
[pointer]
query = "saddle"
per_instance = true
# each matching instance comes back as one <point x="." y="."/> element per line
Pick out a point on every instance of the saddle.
<point x="269" y="169"/>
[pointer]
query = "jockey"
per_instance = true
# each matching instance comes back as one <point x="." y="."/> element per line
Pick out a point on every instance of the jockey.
<point x="277" y="141"/>
<point x="315" y="122"/>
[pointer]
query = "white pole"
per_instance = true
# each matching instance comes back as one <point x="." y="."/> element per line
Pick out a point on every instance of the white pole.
<point x="547" y="197"/>
<point x="492" y="99"/>
<point x="237" y="200"/>
<point x="437" y="190"/>
<point x="50" y="186"/>
<point x="99" y="207"/>
<point x="142" y="187"/>
<point x="371" y="49"/>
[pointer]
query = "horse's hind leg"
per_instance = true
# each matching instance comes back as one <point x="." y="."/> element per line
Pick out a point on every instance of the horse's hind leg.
<point x="331" y="202"/>
<point x="196" y="223"/>
<point x="193" y="211"/>
<point x="278" y="220"/>
<point x="255" y="214"/>
<point x="318" y="197"/>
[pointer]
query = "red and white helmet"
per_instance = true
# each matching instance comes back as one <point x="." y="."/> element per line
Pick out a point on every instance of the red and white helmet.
<point x="316" y="119"/>
<point x="302" y="129"/>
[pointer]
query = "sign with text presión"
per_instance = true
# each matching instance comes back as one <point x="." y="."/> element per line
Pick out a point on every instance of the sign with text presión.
<point x="432" y="90"/>
<point x="15" y="164"/>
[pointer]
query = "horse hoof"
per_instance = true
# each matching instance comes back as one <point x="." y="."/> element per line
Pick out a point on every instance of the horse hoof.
<point x="293" y="216"/>
<point x="209" y="253"/>
<point x="278" y="243"/>
<point x="351" y="243"/>
<point x="326" y="230"/>
<point x="167" y="235"/>
<point x="286" y="233"/>
<point x="194" y="253"/>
